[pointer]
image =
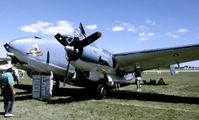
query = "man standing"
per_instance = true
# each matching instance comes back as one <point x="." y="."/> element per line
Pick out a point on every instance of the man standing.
<point x="8" y="91"/>
<point x="138" y="80"/>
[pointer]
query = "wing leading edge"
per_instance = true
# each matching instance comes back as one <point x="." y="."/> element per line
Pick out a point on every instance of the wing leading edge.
<point x="157" y="58"/>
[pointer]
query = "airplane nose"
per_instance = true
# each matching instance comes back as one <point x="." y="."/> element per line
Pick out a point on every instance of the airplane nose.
<point x="11" y="45"/>
<point x="6" y="46"/>
<point x="15" y="44"/>
<point x="19" y="45"/>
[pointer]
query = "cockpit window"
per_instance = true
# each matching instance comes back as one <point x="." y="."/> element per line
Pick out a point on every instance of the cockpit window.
<point x="36" y="37"/>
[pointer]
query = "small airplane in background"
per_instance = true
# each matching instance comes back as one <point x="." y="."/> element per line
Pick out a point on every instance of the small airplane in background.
<point x="76" y="61"/>
<point x="5" y="63"/>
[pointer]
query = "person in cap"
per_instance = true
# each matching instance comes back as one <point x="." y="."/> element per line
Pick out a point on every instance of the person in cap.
<point x="8" y="91"/>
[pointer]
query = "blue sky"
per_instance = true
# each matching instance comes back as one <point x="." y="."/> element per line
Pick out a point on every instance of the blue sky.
<point x="126" y="25"/>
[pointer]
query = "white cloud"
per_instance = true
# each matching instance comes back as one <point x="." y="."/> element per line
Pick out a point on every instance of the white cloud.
<point x="175" y="36"/>
<point x="143" y="38"/>
<point x="182" y="30"/>
<point x="124" y="26"/>
<point x="91" y="27"/>
<point x="143" y="34"/>
<point x="150" y="34"/>
<point x="118" y="28"/>
<point x="141" y="27"/>
<point x="28" y="29"/>
<point x="34" y="28"/>
<point x="150" y="22"/>
<point x="169" y="34"/>
<point x="63" y="27"/>
<point x="131" y="29"/>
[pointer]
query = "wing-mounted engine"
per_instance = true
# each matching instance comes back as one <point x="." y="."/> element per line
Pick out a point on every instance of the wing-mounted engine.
<point x="86" y="57"/>
<point x="74" y="46"/>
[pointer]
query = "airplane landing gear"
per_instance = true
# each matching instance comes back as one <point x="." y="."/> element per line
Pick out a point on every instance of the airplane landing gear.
<point x="57" y="84"/>
<point x="101" y="91"/>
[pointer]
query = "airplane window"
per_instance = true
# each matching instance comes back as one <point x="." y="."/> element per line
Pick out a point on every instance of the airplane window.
<point x="36" y="37"/>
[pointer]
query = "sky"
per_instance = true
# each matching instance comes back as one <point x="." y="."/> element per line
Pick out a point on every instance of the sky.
<point x="126" y="25"/>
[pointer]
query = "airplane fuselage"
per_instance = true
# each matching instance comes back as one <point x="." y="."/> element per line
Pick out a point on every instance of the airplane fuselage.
<point x="45" y="56"/>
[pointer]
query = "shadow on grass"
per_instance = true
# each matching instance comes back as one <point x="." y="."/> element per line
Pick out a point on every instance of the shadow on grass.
<point x="153" y="97"/>
<point x="23" y="95"/>
<point x="74" y="95"/>
<point x="87" y="94"/>
<point x="20" y="96"/>
<point x="82" y="94"/>
<point x="28" y="88"/>
<point x="2" y="113"/>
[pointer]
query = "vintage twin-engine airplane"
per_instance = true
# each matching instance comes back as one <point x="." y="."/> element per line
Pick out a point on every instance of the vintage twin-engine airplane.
<point x="81" y="63"/>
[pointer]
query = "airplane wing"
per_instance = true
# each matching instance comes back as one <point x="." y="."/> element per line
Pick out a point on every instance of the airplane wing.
<point x="157" y="58"/>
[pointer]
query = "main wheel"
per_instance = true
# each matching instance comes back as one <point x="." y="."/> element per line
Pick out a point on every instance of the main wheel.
<point x="101" y="91"/>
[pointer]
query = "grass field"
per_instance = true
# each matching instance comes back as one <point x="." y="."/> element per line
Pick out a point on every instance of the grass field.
<point x="179" y="100"/>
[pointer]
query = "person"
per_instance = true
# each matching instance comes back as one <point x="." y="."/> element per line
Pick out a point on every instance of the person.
<point x="138" y="80"/>
<point x="22" y="75"/>
<point x="16" y="76"/>
<point x="117" y="85"/>
<point x="161" y="82"/>
<point x="8" y="91"/>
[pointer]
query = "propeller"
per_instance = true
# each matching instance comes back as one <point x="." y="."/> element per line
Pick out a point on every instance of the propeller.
<point x="74" y="46"/>
<point x="90" y="39"/>
<point x="62" y="39"/>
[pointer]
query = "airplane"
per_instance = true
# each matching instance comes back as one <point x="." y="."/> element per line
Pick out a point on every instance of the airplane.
<point x="5" y="63"/>
<point x="77" y="61"/>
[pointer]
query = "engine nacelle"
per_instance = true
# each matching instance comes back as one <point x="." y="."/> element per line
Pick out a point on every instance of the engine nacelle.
<point x="97" y="55"/>
<point x="114" y="78"/>
<point x="95" y="76"/>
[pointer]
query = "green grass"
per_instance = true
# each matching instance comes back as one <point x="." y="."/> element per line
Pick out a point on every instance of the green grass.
<point x="179" y="100"/>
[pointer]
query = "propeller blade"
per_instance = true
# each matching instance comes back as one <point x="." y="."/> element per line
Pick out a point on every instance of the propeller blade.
<point x="90" y="39"/>
<point x="61" y="39"/>
<point x="67" y="73"/>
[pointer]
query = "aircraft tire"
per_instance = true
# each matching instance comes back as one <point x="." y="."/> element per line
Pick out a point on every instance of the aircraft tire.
<point x="101" y="91"/>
